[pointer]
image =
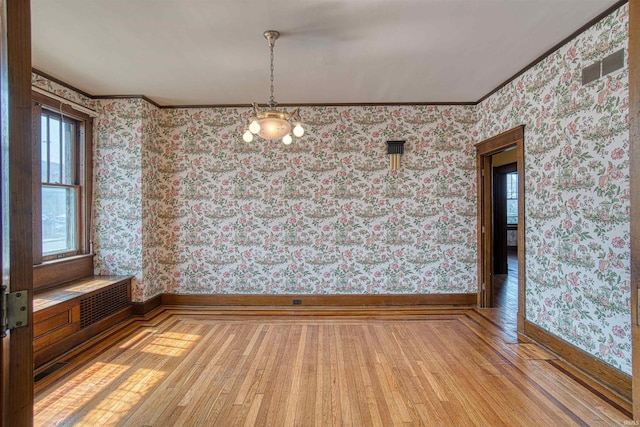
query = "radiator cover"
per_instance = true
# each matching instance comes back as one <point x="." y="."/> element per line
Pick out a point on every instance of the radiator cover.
<point x="103" y="304"/>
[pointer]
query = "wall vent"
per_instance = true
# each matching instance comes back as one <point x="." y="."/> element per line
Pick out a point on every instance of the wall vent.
<point x="591" y="73"/>
<point x="613" y="62"/>
<point x="608" y="65"/>
<point x="103" y="304"/>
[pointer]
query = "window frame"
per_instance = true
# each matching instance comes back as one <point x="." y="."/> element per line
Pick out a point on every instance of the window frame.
<point x="74" y="185"/>
<point x="83" y="179"/>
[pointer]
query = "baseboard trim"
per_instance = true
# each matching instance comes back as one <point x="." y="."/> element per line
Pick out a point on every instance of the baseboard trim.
<point x="610" y="377"/>
<point x="144" y="307"/>
<point x="319" y="300"/>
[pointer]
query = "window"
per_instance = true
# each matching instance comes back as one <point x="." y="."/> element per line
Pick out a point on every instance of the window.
<point x="512" y="198"/>
<point x="59" y="189"/>
<point x="62" y="180"/>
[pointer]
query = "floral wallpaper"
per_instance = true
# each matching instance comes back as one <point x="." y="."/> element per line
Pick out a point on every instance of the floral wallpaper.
<point x="118" y="226"/>
<point x="62" y="91"/>
<point x="186" y="206"/>
<point x="324" y="215"/>
<point x="577" y="191"/>
<point x="151" y="200"/>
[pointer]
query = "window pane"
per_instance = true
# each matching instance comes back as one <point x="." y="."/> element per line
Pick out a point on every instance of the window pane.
<point x="67" y="153"/>
<point x="44" y="161"/>
<point x="512" y="185"/>
<point x="59" y="220"/>
<point x="512" y="211"/>
<point x="58" y="147"/>
<point x="54" y="151"/>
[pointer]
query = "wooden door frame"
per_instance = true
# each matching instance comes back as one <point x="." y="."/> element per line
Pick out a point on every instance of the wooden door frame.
<point x="484" y="150"/>
<point x="16" y="367"/>
<point x="634" y="183"/>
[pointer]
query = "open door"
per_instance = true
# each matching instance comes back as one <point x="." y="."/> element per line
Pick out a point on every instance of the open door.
<point x="16" y="355"/>
<point x="486" y="255"/>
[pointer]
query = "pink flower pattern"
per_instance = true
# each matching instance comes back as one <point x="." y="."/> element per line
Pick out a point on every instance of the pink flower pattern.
<point x="577" y="191"/>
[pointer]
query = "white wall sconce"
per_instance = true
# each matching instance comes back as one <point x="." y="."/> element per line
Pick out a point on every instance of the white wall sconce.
<point x="395" y="149"/>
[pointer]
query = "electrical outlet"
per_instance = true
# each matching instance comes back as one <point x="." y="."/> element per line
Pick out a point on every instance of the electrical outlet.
<point x="297" y="301"/>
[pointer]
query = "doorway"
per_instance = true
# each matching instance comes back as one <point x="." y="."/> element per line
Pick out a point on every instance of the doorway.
<point x="504" y="284"/>
<point x="500" y="271"/>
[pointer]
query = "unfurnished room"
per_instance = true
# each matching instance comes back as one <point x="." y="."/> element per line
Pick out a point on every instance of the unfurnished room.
<point x="320" y="213"/>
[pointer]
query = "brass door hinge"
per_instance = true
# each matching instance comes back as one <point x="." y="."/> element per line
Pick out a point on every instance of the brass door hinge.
<point x="15" y="312"/>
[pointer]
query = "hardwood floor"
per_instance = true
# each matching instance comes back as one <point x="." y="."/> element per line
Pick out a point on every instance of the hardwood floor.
<point x="505" y="293"/>
<point x="322" y="367"/>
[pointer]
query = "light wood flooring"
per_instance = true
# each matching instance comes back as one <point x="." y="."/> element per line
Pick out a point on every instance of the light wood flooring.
<point x="505" y="297"/>
<point x="319" y="367"/>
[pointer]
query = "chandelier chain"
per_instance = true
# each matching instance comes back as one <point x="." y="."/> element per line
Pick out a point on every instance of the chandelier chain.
<point x="272" y="102"/>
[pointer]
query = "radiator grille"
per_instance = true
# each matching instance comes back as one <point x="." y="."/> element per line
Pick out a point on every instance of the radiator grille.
<point x="103" y="304"/>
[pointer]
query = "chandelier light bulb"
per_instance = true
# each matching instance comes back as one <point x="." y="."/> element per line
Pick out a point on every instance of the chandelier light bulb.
<point x="254" y="127"/>
<point x="247" y="136"/>
<point x="298" y="130"/>
<point x="286" y="140"/>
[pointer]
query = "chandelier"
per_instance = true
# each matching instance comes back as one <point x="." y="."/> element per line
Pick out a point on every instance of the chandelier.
<point x="273" y="124"/>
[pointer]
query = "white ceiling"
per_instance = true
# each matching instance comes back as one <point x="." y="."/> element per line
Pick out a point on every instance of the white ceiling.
<point x="212" y="52"/>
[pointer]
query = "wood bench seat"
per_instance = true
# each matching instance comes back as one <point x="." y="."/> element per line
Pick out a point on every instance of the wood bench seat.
<point x="69" y="314"/>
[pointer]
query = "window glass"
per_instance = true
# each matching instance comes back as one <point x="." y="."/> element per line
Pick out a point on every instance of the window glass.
<point x="512" y="198"/>
<point x="59" y="219"/>
<point x="58" y="147"/>
<point x="44" y="139"/>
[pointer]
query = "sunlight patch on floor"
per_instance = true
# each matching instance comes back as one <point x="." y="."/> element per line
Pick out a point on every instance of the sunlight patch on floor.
<point x="171" y="344"/>
<point x="118" y="404"/>
<point x="83" y="387"/>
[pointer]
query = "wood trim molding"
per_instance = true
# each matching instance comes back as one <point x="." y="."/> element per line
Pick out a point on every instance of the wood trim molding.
<point x="16" y="392"/>
<point x="334" y="104"/>
<point x="144" y="307"/>
<point x="634" y="183"/>
<point x="60" y="82"/>
<point x="608" y="376"/>
<point x="53" y="105"/>
<point x="319" y="300"/>
<point x="142" y="97"/>
<point x="501" y="141"/>
<point x="61" y="271"/>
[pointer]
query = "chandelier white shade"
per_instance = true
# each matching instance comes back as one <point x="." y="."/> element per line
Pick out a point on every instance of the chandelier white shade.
<point x="273" y="124"/>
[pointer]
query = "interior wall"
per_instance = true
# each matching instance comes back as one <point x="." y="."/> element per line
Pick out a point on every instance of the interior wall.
<point x="184" y="205"/>
<point x="121" y="211"/>
<point x="324" y="215"/>
<point x="576" y="191"/>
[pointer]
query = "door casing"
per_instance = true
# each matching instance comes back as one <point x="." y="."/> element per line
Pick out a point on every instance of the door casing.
<point x="484" y="150"/>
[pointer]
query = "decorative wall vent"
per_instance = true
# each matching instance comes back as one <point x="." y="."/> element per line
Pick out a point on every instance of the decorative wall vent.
<point x="613" y="62"/>
<point x="608" y="65"/>
<point x="103" y="304"/>
<point x="591" y="73"/>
